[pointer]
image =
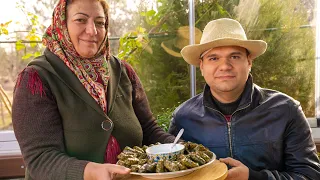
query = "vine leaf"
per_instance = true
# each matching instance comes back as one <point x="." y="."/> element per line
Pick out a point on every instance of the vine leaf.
<point x="3" y="28"/>
<point x="20" y="45"/>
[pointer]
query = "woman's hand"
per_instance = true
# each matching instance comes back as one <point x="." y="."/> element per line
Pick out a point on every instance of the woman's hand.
<point x="238" y="171"/>
<point x="95" y="171"/>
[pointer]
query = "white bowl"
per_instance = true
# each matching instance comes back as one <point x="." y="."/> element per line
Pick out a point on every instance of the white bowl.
<point x="162" y="151"/>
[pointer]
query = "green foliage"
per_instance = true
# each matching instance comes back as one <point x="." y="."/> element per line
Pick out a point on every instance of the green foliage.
<point x="151" y="17"/>
<point x="20" y="45"/>
<point x="164" y="117"/>
<point x="33" y="38"/>
<point x="4" y="28"/>
<point x="31" y="55"/>
<point x="287" y="66"/>
<point x="131" y="42"/>
<point x="166" y="78"/>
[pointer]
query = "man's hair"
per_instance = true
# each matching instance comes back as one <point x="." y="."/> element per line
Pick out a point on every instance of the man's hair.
<point x="247" y="53"/>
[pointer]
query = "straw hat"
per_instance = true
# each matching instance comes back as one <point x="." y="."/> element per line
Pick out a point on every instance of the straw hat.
<point x="222" y="32"/>
<point x="174" y="46"/>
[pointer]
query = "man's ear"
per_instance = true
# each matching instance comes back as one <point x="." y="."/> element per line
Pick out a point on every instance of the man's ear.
<point x="201" y="66"/>
<point x="249" y="57"/>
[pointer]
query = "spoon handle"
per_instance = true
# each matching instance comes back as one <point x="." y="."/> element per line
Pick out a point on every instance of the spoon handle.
<point x="177" y="137"/>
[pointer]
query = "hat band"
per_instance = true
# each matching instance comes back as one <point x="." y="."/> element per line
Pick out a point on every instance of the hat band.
<point x="206" y="52"/>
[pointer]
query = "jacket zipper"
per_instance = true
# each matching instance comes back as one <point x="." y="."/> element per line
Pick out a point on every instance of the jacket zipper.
<point x="229" y="130"/>
<point x="229" y="126"/>
<point x="230" y="139"/>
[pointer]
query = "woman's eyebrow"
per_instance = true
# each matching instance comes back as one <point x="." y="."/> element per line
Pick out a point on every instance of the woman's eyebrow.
<point x="100" y="17"/>
<point x="84" y="14"/>
<point x="81" y="14"/>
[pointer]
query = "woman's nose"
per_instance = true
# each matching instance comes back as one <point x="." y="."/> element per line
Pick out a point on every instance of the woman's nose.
<point x="91" y="29"/>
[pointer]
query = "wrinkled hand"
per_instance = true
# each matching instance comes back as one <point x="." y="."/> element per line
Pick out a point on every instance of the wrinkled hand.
<point x="95" y="171"/>
<point x="238" y="171"/>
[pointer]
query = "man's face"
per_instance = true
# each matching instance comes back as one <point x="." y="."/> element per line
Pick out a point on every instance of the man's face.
<point x="226" y="69"/>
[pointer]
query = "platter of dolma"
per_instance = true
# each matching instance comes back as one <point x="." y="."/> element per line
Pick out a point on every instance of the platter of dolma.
<point x="195" y="156"/>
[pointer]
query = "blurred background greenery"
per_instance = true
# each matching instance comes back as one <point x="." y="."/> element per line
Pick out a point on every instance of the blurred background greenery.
<point x="138" y="33"/>
<point x="287" y="66"/>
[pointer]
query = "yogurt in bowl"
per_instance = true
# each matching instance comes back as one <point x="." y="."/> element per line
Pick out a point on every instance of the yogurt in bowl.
<point x="164" y="151"/>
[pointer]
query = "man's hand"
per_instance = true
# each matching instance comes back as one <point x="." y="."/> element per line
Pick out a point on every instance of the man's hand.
<point x="95" y="171"/>
<point x="238" y="171"/>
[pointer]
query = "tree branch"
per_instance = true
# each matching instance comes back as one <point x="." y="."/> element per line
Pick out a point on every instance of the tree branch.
<point x="161" y="22"/>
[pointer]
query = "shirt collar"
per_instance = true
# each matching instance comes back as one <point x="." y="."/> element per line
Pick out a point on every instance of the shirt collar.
<point x="246" y="96"/>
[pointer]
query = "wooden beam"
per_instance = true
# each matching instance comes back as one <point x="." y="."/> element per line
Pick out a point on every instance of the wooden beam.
<point x="11" y="167"/>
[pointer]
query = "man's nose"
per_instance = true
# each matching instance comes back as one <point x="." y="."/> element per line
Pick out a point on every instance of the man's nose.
<point x="91" y="29"/>
<point x="225" y="64"/>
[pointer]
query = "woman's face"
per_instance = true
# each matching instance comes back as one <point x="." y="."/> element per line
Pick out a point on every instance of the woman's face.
<point x="86" y="26"/>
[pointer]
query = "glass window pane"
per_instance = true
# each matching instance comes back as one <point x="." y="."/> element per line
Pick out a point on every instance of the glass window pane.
<point x="287" y="26"/>
<point x="153" y="33"/>
<point x="149" y="34"/>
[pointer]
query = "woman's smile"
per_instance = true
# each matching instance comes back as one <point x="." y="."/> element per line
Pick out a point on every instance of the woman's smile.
<point x="89" y="41"/>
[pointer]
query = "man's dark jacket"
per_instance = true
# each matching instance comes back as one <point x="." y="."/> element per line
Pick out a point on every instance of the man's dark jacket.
<point x="268" y="132"/>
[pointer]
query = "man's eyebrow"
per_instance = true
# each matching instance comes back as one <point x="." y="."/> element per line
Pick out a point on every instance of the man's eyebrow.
<point x="231" y="54"/>
<point x="236" y="53"/>
<point x="212" y="55"/>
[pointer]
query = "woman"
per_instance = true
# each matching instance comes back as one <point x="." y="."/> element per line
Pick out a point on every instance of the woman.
<point x="76" y="106"/>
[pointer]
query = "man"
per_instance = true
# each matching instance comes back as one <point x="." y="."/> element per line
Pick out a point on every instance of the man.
<point x="260" y="133"/>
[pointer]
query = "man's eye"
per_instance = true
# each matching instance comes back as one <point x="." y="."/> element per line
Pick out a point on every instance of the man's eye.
<point x="213" y="59"/>
<point x="235" y="57"/>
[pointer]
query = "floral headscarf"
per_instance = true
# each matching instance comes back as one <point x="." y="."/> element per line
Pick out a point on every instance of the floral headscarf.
<point x="93" y="73"/>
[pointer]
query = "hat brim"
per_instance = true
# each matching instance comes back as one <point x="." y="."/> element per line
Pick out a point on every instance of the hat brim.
<point x="191" y="53"/>
<point x="166" y="44"/>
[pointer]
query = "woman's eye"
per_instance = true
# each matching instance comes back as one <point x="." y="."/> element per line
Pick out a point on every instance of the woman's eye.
<point x="81" y="20"/>
<point x="100" y="24"/>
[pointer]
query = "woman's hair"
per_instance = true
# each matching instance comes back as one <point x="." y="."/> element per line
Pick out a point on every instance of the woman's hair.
<point x="104" y="4"/>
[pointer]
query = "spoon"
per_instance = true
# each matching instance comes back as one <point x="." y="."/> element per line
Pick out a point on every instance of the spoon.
<point x="177" y="138"/>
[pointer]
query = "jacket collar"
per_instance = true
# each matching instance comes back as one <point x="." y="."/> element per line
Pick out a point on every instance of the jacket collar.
<point x="246" y="96"/>
<point x="113" y="84"/>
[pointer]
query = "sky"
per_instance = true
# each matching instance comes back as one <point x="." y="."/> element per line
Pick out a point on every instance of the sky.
<point x="8" y="11"/>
